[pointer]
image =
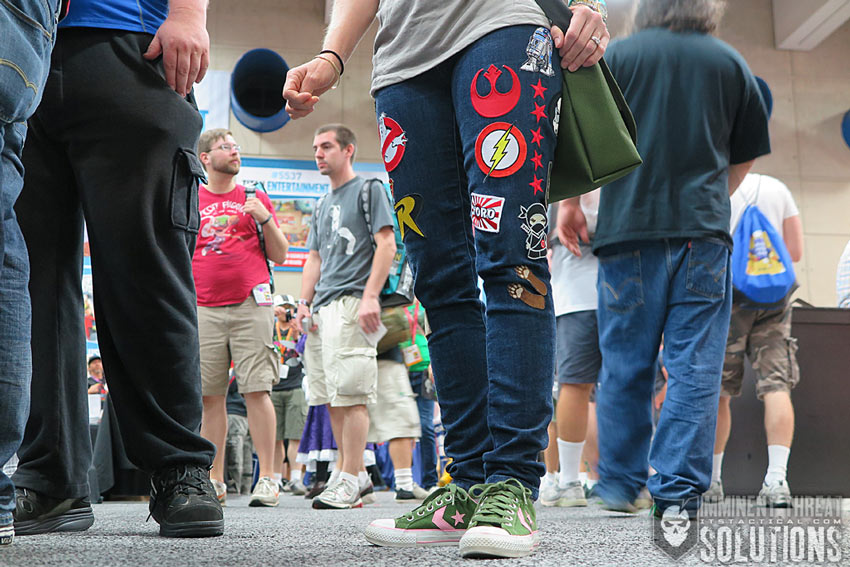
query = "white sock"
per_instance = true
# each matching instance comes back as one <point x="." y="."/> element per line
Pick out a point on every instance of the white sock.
<point x="777" y="463"/>
<point x="362" y="479"/>
<point x="278" y="477"/>
<point x="717" y="467"/>
<point x="551" y="477"/>
<point x="569" y="454"/>
<point x="295" y="475"/>
<point x="334" y="476"/>
<point x="582" y="477"/>
<point x="404" y="479"/>
<point x="349" y="477"/>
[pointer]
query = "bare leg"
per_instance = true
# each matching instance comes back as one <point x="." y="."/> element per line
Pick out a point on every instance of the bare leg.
<point x="214" y="429"/>
<point x="261" y="423"/>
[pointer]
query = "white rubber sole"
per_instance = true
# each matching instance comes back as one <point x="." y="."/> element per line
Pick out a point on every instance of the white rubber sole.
<point x="487" y="541"/>
<point x="385" y="534"/>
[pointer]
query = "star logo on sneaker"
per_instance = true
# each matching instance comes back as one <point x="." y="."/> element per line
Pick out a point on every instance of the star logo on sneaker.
<point x="458" y="518"/>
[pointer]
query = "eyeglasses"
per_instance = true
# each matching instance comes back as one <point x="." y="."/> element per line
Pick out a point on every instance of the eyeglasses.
<point x="228" y="147"/>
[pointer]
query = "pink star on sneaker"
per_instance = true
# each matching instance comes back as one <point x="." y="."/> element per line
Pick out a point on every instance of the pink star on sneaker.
<point x="458" y="517"/>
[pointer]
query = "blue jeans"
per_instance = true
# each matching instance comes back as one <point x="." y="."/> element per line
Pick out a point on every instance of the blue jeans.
<point x="24" y="59"/>
<point x="468" y="144"/>
<point x="681" y="289"/>
<point x="427" y="442"/>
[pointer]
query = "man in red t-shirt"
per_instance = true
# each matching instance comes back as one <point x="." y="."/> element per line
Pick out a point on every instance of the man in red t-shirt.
<point x="235" y="314"/>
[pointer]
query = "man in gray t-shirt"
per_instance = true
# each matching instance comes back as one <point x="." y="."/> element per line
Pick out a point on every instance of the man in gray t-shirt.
<point x="343" y="278"/>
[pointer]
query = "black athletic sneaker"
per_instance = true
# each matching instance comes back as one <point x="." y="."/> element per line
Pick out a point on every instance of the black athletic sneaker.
<point x="184" y="503"/>
<point x="39" y="514"/>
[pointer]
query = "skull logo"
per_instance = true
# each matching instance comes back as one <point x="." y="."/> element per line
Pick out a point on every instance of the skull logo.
<point x="675" y="524"/>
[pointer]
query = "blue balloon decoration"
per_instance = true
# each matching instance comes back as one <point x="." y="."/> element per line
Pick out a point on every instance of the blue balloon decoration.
<point x="766" y="95"/>
<point x="845" y="128"/>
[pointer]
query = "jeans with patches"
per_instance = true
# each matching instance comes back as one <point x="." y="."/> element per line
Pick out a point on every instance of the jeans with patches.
<point x="681" y="289"/>
<point x="27" y="36"/>
<point x="468" y="145"/>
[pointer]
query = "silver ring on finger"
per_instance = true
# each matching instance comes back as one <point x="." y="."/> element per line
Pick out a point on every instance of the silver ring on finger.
<point x="595" y="40"/>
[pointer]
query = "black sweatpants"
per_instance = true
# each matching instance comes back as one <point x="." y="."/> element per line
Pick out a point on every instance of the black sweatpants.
<point x="111" y="143"/>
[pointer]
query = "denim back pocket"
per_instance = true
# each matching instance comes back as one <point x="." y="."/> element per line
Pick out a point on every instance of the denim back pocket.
<point x="708" y="265"/>
<point x="27" y="33"/>
<point x="620" y="282"/>
<point x="187" y="174"/>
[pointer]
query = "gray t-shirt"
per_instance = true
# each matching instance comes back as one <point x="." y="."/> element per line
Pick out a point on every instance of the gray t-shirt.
<point x="417" y="35"/>
<point x="341" y="236"/>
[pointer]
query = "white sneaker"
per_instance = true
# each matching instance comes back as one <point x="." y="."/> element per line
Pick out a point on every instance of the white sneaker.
<point x="570" y="496"/>
<point x="220" y="491"/>
<point x="296" y="488"/>
<point x="266" y="493"/>
<point x="342" y="495"/>
<point x="714" y="493"/>
<point x="775" y="495"/>
<point x="420" y="493"/>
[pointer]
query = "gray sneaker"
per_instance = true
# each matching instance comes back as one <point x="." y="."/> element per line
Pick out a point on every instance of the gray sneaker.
<point x="775" y="495"/>
<point x="296" y="488"/>
<point x="570" y="496"/>
<point x="714" y="493"/>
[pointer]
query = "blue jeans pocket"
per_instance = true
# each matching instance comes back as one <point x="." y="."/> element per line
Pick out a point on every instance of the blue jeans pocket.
<point x="620" y="282"/>
<point x="25" y="44"/>
<point x="708" y="263"/>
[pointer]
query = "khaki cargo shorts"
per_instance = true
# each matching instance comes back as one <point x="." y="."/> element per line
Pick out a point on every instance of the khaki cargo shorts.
<point x="765" y="338"/>
<point x="242" y="333"/>
<point x="395" y="415"/>
<point x="341" y="365"/>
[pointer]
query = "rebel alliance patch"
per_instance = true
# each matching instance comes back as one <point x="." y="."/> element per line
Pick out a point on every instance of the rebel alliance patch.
<point x="393" y="141"/>
<point x="486" y="212"/>
<point x="500" y="149"/>
<point x="494" y="103"/>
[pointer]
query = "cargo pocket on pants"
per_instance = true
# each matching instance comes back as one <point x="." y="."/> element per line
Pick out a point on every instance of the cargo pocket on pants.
<point x="187" y="174"/>
<point x="358" y="371"/>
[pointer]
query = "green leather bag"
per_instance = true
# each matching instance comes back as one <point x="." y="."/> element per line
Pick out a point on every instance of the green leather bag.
<point x="596" y="131"/>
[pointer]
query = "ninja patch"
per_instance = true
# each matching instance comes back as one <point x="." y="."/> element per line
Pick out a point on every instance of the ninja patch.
<point x="486" y="212"/>
<point x="500" y="149"/>
<point x="534" y="225"/>
<point x="393" y="141"/>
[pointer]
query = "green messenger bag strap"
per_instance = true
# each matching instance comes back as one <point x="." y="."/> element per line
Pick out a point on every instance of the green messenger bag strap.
<point x="596" y="132"/>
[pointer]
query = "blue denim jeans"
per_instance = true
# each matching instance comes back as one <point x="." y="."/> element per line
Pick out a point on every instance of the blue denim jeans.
<point x="24" y="59"/>
<point x="681" y="290"/>
<point x="427" y="442"/>
<point x="468" y="145"/>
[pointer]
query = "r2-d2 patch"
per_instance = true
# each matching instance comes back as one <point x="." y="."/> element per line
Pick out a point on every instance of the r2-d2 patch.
<point x="539" y="52"/>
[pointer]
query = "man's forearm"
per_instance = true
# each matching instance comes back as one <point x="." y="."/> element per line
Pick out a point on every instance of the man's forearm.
<point x="276" y="244"/>
<point x="381" y="262"/>
<point x="349" y="21"/>
<point x="310" y="277"/>
<point x="737" y="173"/>
<point x="198" y="6"/>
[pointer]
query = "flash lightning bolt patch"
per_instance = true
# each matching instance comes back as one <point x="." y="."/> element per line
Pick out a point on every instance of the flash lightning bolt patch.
<point x="500" y="150"/>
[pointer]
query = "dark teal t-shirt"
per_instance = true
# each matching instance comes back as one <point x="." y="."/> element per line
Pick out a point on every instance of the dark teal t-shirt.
<point x="698" y="109"/>
<point x="130" y="15"/>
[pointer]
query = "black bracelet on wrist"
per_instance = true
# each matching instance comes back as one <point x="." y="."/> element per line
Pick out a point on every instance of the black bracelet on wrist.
<point x="268" y="218"/>
<point x="335" y="54"/>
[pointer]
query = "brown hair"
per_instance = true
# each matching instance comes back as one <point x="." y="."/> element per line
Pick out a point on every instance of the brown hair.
<point x="210" y="137"/>
<point x="344" y="136"/>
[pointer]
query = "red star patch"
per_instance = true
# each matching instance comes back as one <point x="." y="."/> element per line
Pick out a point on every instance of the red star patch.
<point x="539" y="89"/>
<point x="536" y="137"/>
<point x="537" y="160"/>
<point x="536" y="185"/>
<point x="539" y="111"/>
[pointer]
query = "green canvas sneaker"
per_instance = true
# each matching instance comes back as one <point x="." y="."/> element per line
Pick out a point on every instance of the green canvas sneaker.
<point x="504" y="524"/>
<point x="441" y="519"/>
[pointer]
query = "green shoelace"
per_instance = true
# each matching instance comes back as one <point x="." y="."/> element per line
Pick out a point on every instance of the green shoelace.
<point x="498" y="502"/>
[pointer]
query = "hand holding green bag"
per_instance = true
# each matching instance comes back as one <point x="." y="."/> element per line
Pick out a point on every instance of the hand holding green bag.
<point x="596" y="131"/>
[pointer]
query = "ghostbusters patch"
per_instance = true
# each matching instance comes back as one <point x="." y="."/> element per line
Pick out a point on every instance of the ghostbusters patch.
<point x="393" y="141"/>
<point x="534" y="225"/>
<point x="486" y="212"/>
<point x="539" y="52"/>
<point x="406" y="211"/>
<point x="494" y="103"/>
<point x="500" y="149"/>
<point x="535" y="299"/>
